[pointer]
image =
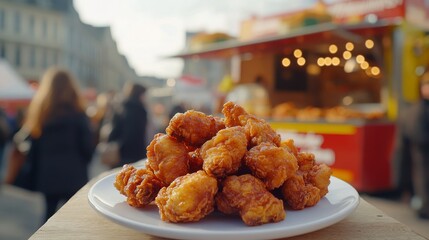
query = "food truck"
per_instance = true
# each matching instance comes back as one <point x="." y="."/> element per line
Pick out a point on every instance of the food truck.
<point x="337" y="75"/>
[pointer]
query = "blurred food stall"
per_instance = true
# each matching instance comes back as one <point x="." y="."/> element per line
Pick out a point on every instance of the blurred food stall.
<point x="15" y="92"/>
<point x="336" y="75"/>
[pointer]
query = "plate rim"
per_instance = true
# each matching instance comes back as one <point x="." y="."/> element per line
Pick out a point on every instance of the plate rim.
<point x="256" y="232"/>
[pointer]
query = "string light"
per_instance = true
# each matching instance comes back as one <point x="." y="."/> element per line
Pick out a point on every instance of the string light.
<point x="335" y="61"/>
<point x="350" y="46"/>
<point x="286" y="62"/>
<point x="360" y="59"/>
<point x="297" y="53"/>
<point x="347" y="55"/>
<point x="301" y="61"/>
<point x="328" y="61"/>
<point x="333" y="48"/>
<point x="321" y="61"/>
<point x="364" y="65"/>
<point x="375" y="71"/>
<point x="369" y="43"/>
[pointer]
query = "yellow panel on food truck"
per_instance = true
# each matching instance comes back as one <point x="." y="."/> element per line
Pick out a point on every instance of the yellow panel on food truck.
<point x="345" y="175"/>
<point x="321" y="128"/>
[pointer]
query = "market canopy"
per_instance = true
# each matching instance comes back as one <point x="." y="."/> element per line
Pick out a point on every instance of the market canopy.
<point x="305" y="35"/>
<point x="12" y="85"/>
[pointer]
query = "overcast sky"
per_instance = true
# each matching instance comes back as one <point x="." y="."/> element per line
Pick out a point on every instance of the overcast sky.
<point x="148" y="30"/>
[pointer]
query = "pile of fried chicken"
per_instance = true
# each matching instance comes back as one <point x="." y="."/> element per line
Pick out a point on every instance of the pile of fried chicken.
<point x="236" y="164"/>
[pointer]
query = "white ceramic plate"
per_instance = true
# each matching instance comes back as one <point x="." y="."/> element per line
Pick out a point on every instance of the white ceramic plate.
<point x="341" y="201"/>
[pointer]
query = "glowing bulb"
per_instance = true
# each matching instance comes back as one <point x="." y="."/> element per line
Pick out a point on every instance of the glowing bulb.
<point x="328" y="61"/>
<point x="286" y="62"/>
<point x="364" y="65"/>
<point x="297" y="53"/>
<point x="321" y="61"/>
<point x="350" y="46"/>
<point x="335" y="61"/>
<point x="301" y="61"/>
<point x="369" y="43"/>
<point x="347" y="55"/>
<point x="333" y="48"/>
<point x="375" y="71"/>
<point x="360" y="59"/>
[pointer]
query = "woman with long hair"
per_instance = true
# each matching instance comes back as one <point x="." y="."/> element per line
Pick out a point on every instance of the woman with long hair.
<point x="61" y="145"/>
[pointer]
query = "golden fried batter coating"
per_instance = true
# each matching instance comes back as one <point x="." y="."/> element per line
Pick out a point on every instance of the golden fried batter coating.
<point x="167" y="158"/>
<point x="310" y="182"/>
<point x="298" y="194"/>
<point x="257" y="130"/>
<point x="140" y="186"/>
<point x="223" y="153"/>
<point x="233" y="113"/>
<point x="189" y="198"/>
<point x="193" y="127"/>
<point x="272" y="164"/>
<point x="290" y="146"/>
<point x="319" y="176"/>
<point x="248" y="196"/>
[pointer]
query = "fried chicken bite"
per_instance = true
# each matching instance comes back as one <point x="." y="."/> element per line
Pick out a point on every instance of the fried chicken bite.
<point x="298" y="194"/>
<point x="272" y="164"/>
<point x="167" y="158"/>
<point x="248" y="196"/>
<point x="189" y="198"/>
<point x="234" y="114"/>
<point x="257" y="130"/>
<point x="289" y="144"/>
<point x="194" y="128"/>
<point x="223" y="153"/>
<point x="319" y="176"/>
<point x="309" y="184"/>
<point x="140" y="186"/>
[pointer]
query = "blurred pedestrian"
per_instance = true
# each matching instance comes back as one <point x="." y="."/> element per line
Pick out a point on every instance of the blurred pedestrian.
<point x="178" y="107"/>
<point x="5" y="131"/>
<point x="411" y="159"/>
<point x="129" y="125"/>
<point x="61" y="145"/>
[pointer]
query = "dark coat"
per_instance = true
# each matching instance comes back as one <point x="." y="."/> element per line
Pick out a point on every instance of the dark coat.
<point x="61" y="155"/>
<point x="129" y="130"/>
<point x="411" y="159"/>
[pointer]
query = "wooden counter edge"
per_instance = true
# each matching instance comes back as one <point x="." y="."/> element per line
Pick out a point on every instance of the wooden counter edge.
<point x="367" y="222"/>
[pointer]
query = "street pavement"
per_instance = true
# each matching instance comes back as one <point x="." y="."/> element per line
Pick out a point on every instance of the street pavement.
<point x="21" y="212"/>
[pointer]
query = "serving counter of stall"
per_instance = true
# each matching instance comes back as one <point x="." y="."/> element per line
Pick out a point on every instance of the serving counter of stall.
<point x="358" y="152"/>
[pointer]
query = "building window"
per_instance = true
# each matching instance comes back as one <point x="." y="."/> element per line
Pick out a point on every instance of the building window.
<point x="55" y="61"/>
<point x="2" y="51"/>
<point x="2" y="19"/>
<point x="44" y="28"/>
<point x="31" y="25"/>
<point x="55" y="30"/>
<point x="32" y="57"/>
<point x="17" y="22"/>
<point x="45" y="59"/>
<point x="18" y="56"/>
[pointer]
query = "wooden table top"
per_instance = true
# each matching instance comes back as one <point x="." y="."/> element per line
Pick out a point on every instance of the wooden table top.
<point x="77" y="220"/>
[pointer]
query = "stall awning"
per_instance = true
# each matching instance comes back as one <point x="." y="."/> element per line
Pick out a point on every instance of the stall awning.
<point x="12" y="85"/>
<point x="311" y="34"/>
